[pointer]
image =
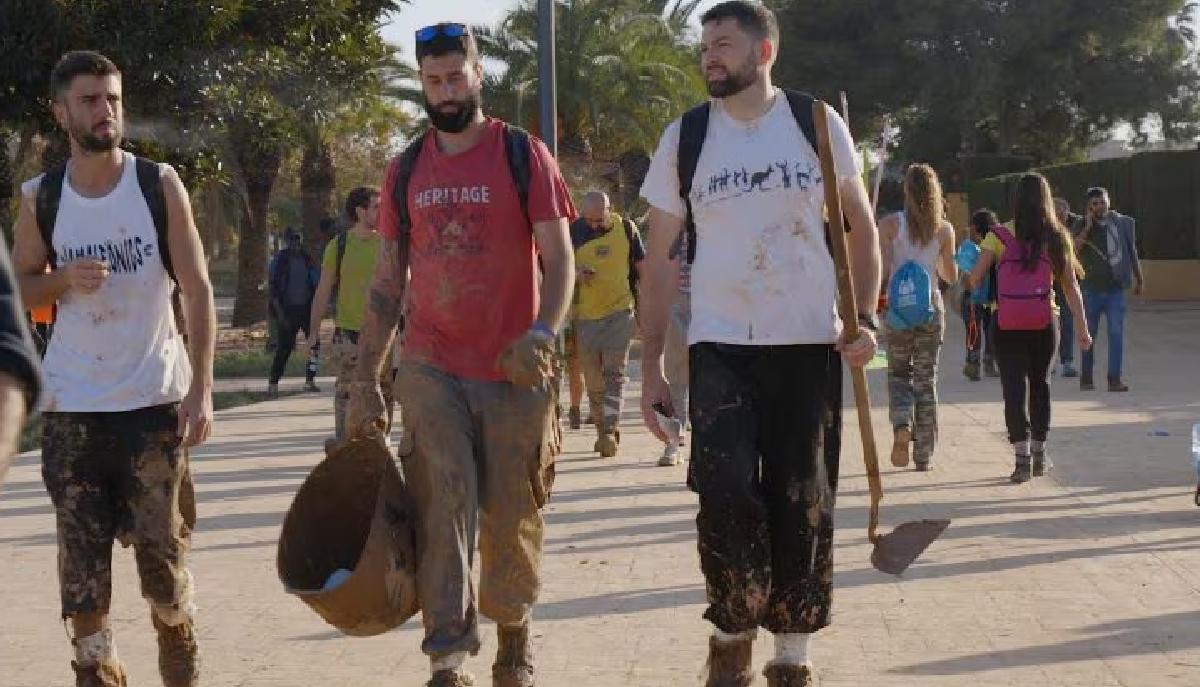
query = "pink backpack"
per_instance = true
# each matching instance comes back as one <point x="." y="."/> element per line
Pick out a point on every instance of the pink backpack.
<point x="1024" y="296"/>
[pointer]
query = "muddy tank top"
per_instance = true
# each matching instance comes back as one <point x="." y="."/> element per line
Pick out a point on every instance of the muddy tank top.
<point x="116" y="349"/>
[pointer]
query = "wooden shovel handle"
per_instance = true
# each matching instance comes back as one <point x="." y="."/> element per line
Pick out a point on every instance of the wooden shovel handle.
<point x="848" y="310"/>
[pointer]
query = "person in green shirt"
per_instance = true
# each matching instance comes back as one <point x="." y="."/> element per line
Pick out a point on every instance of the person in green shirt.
<point x="347" y="270"/>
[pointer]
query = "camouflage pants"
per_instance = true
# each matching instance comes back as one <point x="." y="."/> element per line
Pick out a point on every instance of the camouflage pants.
<point x="480" y="466"/>
<point x="912" y="383"/>
<point x="766" y="444"/>
<point x="603" y="354"/>
<point x="344" y="358"/>
<point x="118" y="476"/>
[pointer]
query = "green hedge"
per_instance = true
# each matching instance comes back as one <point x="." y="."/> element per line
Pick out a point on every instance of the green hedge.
<point x="1160" y="189"/>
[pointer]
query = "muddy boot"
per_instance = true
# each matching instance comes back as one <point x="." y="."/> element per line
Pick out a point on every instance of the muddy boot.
<point x="901" y="440"/>
<point x="514" y="658"/>
<point x="573" y="419"/>
<point x="178" y="654"/>
<point x="1041" y="464"/>
<point x="729" y="663"/>
<point x="783" y="675"/>
<point x="1086" y="383"/>
<point x="971" y="370"/>
<point x="450" y="678"/>
<point x="1023" y="471"/>
<point x="607" y="440"/>
<point x="102" y="674"/>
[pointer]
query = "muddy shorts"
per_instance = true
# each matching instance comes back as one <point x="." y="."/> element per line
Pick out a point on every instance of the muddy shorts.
<point x="118" y="476"/>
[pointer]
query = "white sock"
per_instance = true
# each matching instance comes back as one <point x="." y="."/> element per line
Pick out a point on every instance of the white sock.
<point x="792" y="648"/>
<point x="1021" y="447"/>
<point x="453" y="661"/>
<point x="726" y="637"/>
<point x="95" y="648"/>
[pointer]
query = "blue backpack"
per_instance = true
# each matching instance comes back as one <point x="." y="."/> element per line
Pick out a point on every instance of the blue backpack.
<point x="910" y="301"/>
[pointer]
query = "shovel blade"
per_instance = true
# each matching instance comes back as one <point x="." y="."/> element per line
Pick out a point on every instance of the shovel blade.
<point x="896" y="551"/>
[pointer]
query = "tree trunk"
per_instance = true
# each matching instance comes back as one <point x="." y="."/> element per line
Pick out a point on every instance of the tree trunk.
<point x="317" y="179"/>
<point x="259" y="162"/>
<point x="6" y="185"/>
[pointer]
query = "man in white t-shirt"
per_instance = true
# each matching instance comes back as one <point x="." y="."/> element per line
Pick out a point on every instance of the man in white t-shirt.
<point x="125" y="397"/>
<point x="766" y="347"/>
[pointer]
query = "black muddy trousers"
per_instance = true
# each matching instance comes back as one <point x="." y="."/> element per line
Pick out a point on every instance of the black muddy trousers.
<point x="766" y="424"/>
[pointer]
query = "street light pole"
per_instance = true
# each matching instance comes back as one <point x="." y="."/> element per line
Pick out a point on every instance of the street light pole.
<point x="547" y="79"/>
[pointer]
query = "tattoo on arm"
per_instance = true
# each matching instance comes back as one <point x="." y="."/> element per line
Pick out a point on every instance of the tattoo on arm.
<point x="384" y="308"/>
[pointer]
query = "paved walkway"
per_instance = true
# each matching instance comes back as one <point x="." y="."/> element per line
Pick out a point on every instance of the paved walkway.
<point x="1091" y="577"/>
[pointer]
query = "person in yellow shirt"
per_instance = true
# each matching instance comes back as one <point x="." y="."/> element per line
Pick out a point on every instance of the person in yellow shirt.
<point x="608" y="250"/>
<point x="347" y="270"/>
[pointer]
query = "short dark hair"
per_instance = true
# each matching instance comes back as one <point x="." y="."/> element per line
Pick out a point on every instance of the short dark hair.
<point x="79" y="63"/>
<point x="1097" y="192"/>
<point x="983" y="220"/>
<point x="444" y="45"/>
<point x="360" y="197"/>
<point x="752" y="17"/>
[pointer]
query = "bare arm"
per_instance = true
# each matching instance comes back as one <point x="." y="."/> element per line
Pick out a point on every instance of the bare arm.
<point x="986" y="259"/>
<point x="946" y="265"/>
<point x="863" y="241"/>
<point x="200" y="316"/>
<point x="553" y="241"/>
<point x="320" y="303"/>
<point x="385" y="304"/>
<point x="38" y="288"/>
<point x="187" y="258"/>
<point x="660" y="283"/>
<point x="12" y="418"/>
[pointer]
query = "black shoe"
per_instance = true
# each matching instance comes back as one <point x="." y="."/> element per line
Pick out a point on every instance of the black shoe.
<point x="1086" y="383"/>
<point x="922" y="465"/>
<point x="1022" y="472"/>
<point x="1041" y="464"/>
<point x="1116" y="385"/>
<point x="573" y="419"/>
<point x="311" y="386"/>
<point x="971" y="370"/>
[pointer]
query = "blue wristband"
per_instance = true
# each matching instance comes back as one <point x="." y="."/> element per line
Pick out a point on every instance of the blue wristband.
<point x="543" y="328"/>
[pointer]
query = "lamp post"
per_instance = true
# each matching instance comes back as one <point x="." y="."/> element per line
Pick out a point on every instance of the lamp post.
<point x="547" y="92"/>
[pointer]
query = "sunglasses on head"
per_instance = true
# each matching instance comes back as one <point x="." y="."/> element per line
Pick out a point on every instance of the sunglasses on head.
<point x="447" y="29"/>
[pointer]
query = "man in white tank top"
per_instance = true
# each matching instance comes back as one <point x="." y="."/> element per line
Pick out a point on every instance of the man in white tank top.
<point x="123" y="399"/>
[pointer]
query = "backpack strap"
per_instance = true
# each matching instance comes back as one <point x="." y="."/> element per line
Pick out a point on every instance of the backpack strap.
<point x="342" y="237"/>
<point x="693" y="128"/>
<point x="517" y="151"/>
<point x="49" y="194"/>
<point x="802" y="109"/>
<point x="633" y="273"/>
<point x="149" y="176"/>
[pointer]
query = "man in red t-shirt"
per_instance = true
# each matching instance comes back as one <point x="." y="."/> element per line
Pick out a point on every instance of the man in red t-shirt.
<point x="479" y="329"/>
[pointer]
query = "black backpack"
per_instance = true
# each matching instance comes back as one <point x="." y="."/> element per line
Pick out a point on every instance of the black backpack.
<point x="49" y="195"/>
<point x="693" y="129"/>
<point x="517" y="152"/>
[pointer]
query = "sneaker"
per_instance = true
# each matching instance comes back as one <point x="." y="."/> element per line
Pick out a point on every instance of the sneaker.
<point x="1069" y="371"/>
<point x="1086" y="383"/>
<point x="1116" y="385"/>
<point x="670" y="456"/>
<point x="971" y="371"/>
<point x="922" y="465"/>
<point x="573" y="419"/>
<point x="311" y="385"/>
<point x="1022" y="472"/>
<point x="450" y="678"/>
<point x="1041" y="463"/>
<point x="901" y="441"/>
<point x="272" y="390"/>
<point x="990" y="369"/>
<point x="514" y="658"/>
<point x="784" y="675"/>
<point x="729" y="663"/>
<point x="178" y="654"/>
<point x="102" y="674"/>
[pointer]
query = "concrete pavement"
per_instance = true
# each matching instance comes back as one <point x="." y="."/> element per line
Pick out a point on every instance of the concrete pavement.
<point x="1088" y="577"/>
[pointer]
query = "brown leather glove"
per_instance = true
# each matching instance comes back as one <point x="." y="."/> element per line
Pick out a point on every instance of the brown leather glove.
<point x="528" y="361"/>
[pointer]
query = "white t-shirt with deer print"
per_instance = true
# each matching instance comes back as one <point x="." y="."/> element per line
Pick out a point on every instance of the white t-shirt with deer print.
<point x="763" y="274"/>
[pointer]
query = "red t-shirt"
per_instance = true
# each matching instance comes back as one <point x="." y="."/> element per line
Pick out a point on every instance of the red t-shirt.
<point x="473" y="268"/>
